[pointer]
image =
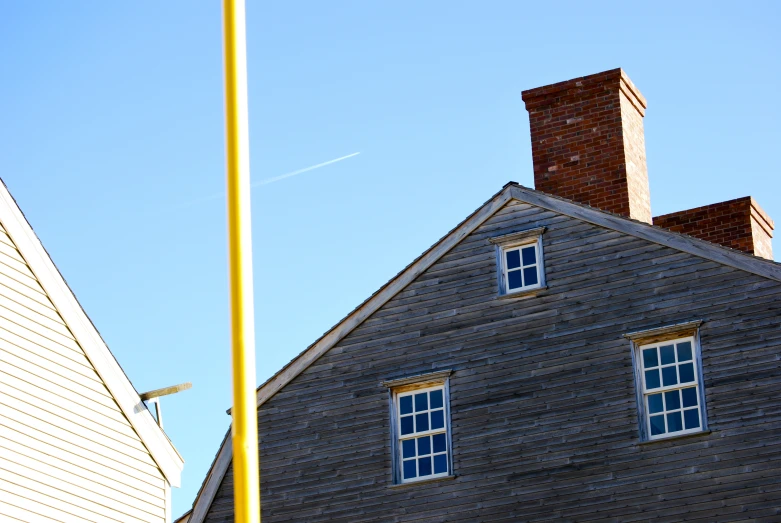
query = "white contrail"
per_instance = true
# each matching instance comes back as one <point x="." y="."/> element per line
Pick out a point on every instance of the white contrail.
<point x="263" y="182"/>
<point x="305" y="169"/>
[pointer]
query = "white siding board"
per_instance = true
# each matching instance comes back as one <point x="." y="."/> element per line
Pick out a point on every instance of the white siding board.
<point x="37" y="486"/>
<point x="46" y="321"/>
<point x="113" y="492"/>
<point x="68" y="365"/>
<point x="93" y="390"/>
<point x="84" y="427"/>
<point x="71" y="405"/>
<point x="59" y="334"/>
<point x="24" y="509"/>
<point x="21" y="300"/>
<point x="31" y="289"/>
<point x="148" y="491"/>
<point x="26" y="331"/>
<point x="31" y="435"/>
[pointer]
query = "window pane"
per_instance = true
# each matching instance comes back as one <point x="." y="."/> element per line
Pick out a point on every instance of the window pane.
<point x="669" y="376"/>
<point x="436" y="399"/>
<point x="687" y="372"/>
<point x="513" y="259"/>
<point x="650" y="358"/>
<point x="692" y="418"/>
<point x="684" y="351"/>
<point x="655" y="403"/>
<point x="405" y="405"/>
<point x="674" y="422"/>
<point x="514" y="280"/>
<point x="672" y="400"/>
<point x="421" y="422"/>
<point x="440" y="443"/>
<point x="409" y="469"/>
<point x="424" y="445"/>
<point x="668" y="354"/>
<point x="689" y="397"/>
<point x="408" y="448"/>
<point x="437" y="419"/>
<point x="657" y="425"/>
<point x="440" y="464"/>
<point x="652" y="379"/>
<point x="530" y="276"/>
<point x="406" y="425"/>
<point x="424" y="466"/>
<point x="529" y="256"/>
<point x="421" y="401"/>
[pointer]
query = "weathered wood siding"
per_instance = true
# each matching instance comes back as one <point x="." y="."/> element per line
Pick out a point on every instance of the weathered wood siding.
<point x="67" y="453"/>
<point x="544" y="421"/>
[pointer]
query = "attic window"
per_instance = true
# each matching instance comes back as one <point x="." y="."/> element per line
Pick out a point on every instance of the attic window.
<point x="420" y="421"/>
<point x="519" y="261"/>
<point x="668" y="370"/>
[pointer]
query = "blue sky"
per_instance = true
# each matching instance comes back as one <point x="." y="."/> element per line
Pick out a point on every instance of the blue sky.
<point x="112" y="127"/>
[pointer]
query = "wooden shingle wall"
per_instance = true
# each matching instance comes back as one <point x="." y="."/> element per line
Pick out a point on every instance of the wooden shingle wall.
<point x="67" y="452"/>
<point x="544" y="421"/>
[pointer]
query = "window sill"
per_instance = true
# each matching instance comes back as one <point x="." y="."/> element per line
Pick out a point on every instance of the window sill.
<point x="523" y="294"/>
<point x="682" y="436"/>
<point x="422" y="482"/>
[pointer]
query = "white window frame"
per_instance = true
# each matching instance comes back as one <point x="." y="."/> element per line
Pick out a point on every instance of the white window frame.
<point x="409" y="387"/>
<point x="517" y="241"/>
<point x="668" y="335"/>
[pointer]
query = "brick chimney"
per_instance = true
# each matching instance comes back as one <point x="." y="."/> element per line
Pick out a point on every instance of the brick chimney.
<point x="740" y="224"/>
<point x="588" y="143"/>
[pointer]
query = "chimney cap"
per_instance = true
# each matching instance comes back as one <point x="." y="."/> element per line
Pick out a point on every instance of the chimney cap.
<point x="546" y="95"/>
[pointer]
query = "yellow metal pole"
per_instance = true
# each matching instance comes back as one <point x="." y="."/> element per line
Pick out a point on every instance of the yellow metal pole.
<point x="246" y="477"/>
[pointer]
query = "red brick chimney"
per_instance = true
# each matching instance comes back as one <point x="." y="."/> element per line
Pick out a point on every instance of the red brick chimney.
<point x="588" y="143"/>
<point x="740" y="224"/>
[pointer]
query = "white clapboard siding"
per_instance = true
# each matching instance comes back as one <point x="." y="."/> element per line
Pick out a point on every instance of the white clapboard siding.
<point x="67" y="451"/>
<point x="110" y="502"/>
<point x="30" y="292"/>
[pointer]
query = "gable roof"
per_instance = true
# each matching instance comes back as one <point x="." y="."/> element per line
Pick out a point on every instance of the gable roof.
<point x="511" y="191"/>
<point x="95" y="349"/>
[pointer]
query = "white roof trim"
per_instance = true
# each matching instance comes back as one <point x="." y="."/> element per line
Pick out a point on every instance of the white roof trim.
<point x="511" y="191"/>
<point x="87" y="336"/>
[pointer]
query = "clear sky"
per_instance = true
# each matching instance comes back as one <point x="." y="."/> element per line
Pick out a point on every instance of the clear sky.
<point x="112" y="142"/>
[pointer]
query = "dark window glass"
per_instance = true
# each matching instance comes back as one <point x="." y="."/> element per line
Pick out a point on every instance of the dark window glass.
<point x="652" y="379"/>
<point x="424" y="466"/>
<point x="440" y="464"/>
<point x="689" y="396"/>
<point x="408" y="448"/>
<point x="687" y="372"/>
<point x="529" y="257"/>
<point x="437" y="419"/>
<point x="513" y="259"/>
<point x="436" y="399"/>
<point x="421" y="401"/>
<point x="691" y="418"/>
<point x="672" y="400"/>
<point x="440" y="443"/>
<point x="668" y="354"/>
<point x="669" y="376"/>
<point x="657" y="425"/>
<point x="407" y="425"/>
<point x="650" y="358"/>
<point x="424" y="445"/>
<point x="514" y="280"/>
<point x="405" y="405"/>
<point x="674" y="422"/>
<point x="530" y="276"/>
<point x="655" y="403"/>
<point x="421" y="422"/>
<point x="684" y="351"/>
<point x="409" y="469"/>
